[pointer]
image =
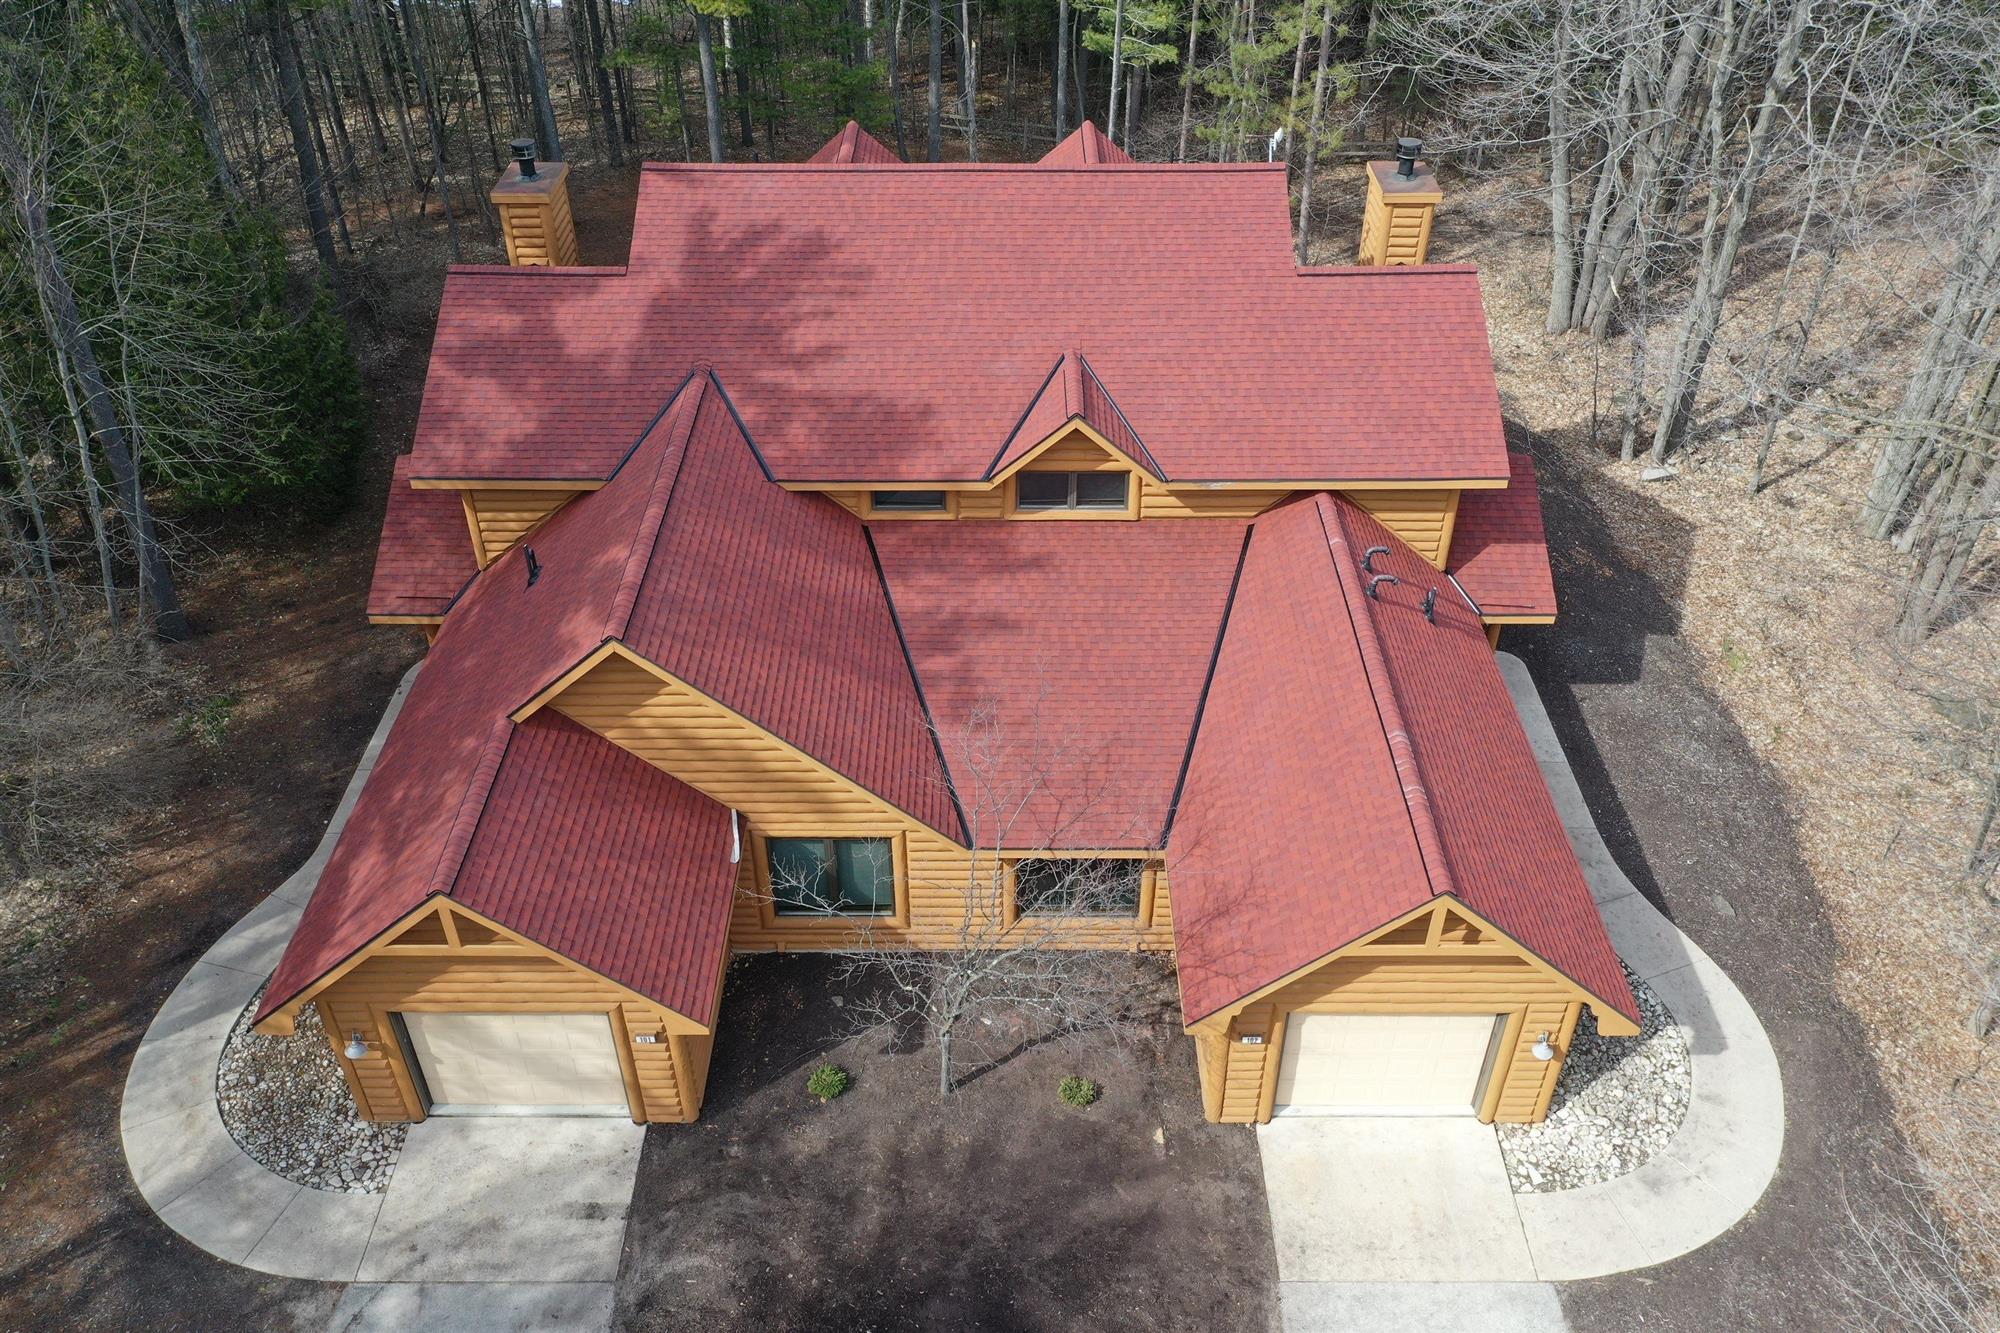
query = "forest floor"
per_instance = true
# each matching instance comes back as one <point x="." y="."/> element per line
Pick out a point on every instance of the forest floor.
<point x="1765" y="769"/>
<point x="999" y="1208"/>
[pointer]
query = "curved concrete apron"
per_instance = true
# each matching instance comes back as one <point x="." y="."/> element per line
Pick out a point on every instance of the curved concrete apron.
<point x="525" y="1217"/>
<point x="1416" y="1217"/>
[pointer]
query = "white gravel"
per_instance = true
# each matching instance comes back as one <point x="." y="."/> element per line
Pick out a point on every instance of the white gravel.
<point x="1618" y="1102"/>
<point x="287" y="1106"/>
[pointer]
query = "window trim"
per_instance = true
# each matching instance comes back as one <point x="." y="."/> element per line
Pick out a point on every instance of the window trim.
<point x="1130" y="509"/>
<point x="767" y="900"/>
<point x="870" y="511"/>
<point x="1149" y="875"/>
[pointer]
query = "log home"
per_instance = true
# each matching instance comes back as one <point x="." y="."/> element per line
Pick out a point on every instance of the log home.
<point x="753" y="568"/>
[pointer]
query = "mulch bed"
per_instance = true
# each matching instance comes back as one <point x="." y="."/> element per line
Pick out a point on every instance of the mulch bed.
<point x="886" y="1209"/>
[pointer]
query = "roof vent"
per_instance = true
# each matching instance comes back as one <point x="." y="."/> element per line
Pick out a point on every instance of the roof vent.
<point x="524" y="157"/>
<point x="1407" y="153"/>
<point x="1380" y="579"/>
<point x="534" y="565"/>
<point x="1431" y="606"/>
<point x="1368" y="557"/>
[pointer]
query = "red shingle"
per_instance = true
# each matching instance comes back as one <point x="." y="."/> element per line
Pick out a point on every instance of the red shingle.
<point x="425" y="555"/>
<point x="594" y="853"/>
<point x="1356" y="759"/>
<point x="1062" y="663"/>
<point x="814" y="291"/>
<point x="1499" y="550"/>
<point x="1086" y="146"/>
<point x="766" y="600"/>
<point x="854" y="144"/>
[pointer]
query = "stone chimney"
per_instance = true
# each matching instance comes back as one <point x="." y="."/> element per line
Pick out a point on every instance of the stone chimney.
<point x="1402" y="196"/>
<point x="533" y="199"/>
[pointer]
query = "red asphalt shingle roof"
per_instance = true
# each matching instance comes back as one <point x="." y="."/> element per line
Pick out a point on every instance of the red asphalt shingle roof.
<point x="854" y="144"/>
<point x="767" y="601"/>
<point x="1355" y="760"/>
<point x="425" y="555"/>
<point x="590" y="851"/>
<point x="1072" y="392"/>
<point x="1317" y="761"/>
<point x="1499" y="549"/>
<point x="1086" y="146"/>
<point x="1062" y="663"/>
<point x="813" y="289"/>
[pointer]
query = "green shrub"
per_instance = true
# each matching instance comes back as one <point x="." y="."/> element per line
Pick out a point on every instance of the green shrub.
<point x="208" y="721"/>
<point x="828" y="1082"/>
<point x="1078" y="1092"/>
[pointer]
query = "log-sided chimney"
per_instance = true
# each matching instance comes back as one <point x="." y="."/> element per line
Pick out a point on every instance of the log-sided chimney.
<point x="1402" y="196"/>
<point x="533" y="199"/>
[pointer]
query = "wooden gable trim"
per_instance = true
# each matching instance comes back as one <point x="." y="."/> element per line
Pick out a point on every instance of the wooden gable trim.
<point x="405" y="620"/>
<point x="562" y="682"/>
<point x="1610" y="1022"/>
<point x="281" y="1022"/>
<point x="1073" y="426"/>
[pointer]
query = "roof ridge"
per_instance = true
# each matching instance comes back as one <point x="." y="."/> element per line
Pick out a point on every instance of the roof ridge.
<point x="472" y="805"/>
<point x="1072" y="368"/>
<point x="1381" y="687"/>
<point x="666" y="472"/>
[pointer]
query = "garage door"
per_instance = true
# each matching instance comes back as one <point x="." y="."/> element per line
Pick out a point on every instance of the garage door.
<point x="1385" y="1064"/>
<point x="513" y="1064"/>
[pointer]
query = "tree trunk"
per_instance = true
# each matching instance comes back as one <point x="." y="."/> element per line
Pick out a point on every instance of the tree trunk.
<point x="1705" y="308"/>
<point x="277" y="32"/>
<point x="538" y="85"/>
<point x="934" y="132"/>
<point x="328" y="176"/>
<point x="1562" y="249"/>
<point x="1062" y="70"/>
<point x="1187" y="78"/>
<point x="66" y="332"/>
<point x="711" y="93"/>
<point x="1311" y="167"/>
<point x="607" y="108"/>
<point x="896" y="81"/>
<point x="416" y="42"/>
<point x="969" y="48"/>
<point x="204" y="101"/>
<point x="1117" y="69"/>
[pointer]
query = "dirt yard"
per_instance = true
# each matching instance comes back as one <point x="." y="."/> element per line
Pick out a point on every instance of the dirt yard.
<point x="886" y="1210"/>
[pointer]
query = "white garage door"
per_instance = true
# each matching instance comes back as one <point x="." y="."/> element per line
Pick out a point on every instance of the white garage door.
<point x="1385" y="1064"/>
<point x="543" y="1064"/>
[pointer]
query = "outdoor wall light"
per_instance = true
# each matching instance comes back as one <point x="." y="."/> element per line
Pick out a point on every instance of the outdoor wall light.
<point x="1541" y="1050"/>
<point x="357" y="1049"/>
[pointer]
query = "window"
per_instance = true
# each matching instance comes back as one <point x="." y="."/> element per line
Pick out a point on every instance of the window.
<point x="845" y="876"/>
<point x="1071" y="490"/>
<point x="1048" y="886"/>
<point x="910" y="502"/>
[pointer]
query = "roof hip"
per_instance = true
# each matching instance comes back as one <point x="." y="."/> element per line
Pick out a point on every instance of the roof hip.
<point x="1382" y="689"/>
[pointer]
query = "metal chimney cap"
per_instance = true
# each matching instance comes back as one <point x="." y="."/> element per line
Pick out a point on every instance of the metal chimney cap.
<point x="524" y="155"/>
<point x="1407" y="151"/>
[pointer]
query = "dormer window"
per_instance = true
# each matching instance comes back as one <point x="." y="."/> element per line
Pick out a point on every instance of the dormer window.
<point x="1072" y="490"/>
<point x="908" y="502"/>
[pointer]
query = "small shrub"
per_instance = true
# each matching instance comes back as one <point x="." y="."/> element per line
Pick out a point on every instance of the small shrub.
<point x="828" y="1082"/>
<point x="1078" y="1092"/>
<point x="206" y="723"/>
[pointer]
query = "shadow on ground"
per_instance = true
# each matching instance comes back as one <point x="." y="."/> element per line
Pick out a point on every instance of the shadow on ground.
<point x="884" y="1210"/>
<point x="1700" y="824"/>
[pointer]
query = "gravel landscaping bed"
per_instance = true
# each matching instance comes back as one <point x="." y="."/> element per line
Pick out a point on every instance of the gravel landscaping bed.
<point x="1618" y="1102"/>
<point x="287" y="1106"/>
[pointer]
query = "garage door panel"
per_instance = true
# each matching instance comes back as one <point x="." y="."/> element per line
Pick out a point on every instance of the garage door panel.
<point x="518" y="1061"/>
<point x="1387" y="1063"/>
